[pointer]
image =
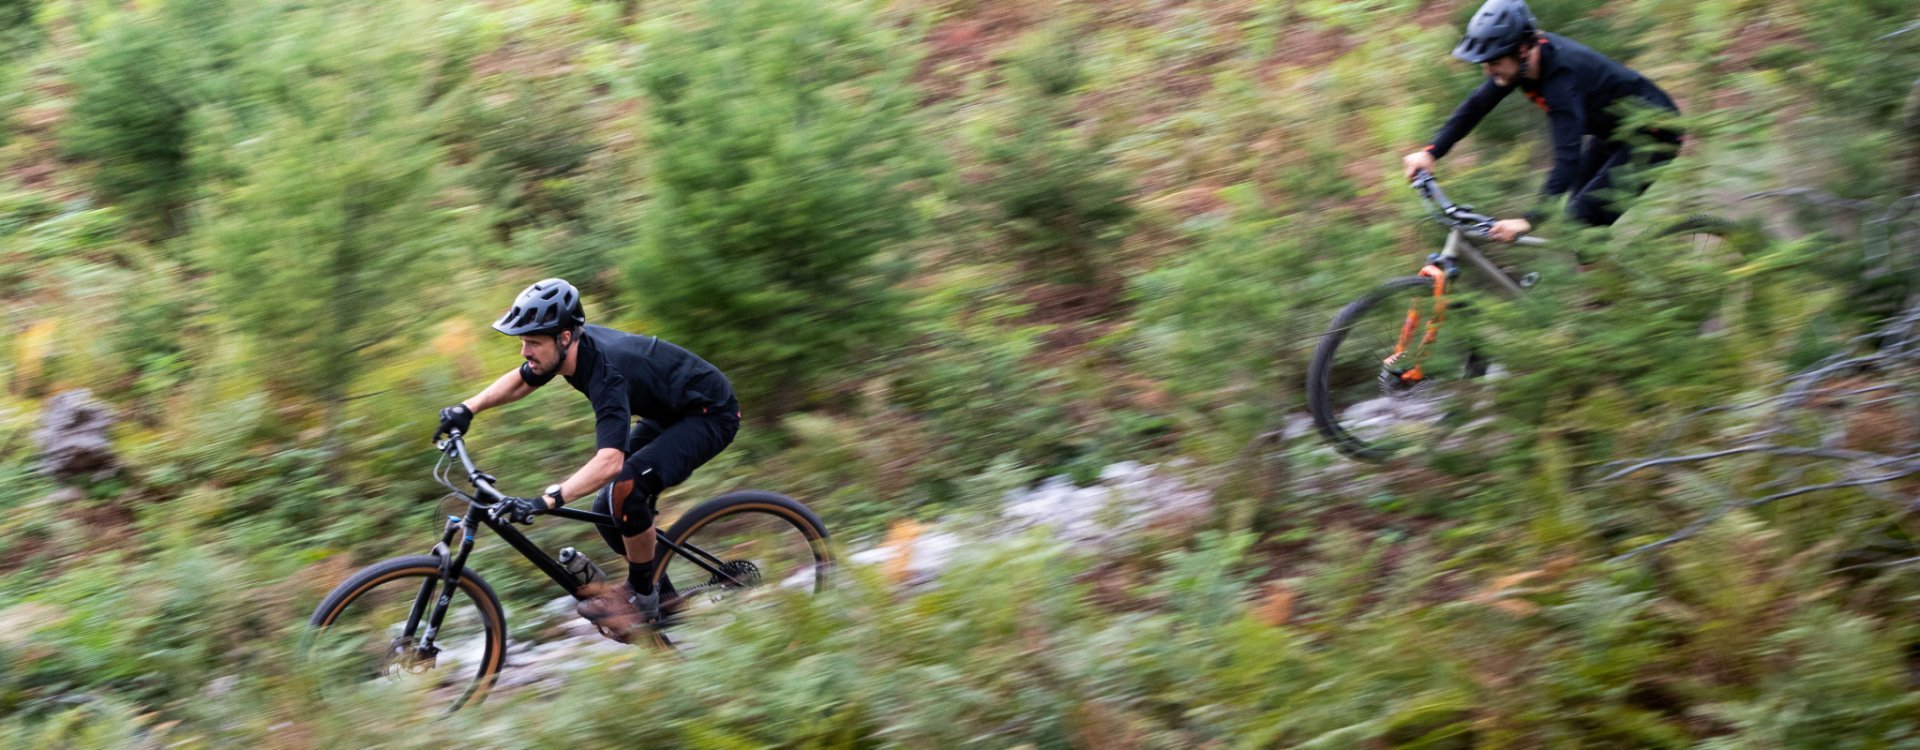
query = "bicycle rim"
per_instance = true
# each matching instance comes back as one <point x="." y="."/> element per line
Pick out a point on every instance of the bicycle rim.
<point x="1394" y="373"/>
<point x="359" y="647"/>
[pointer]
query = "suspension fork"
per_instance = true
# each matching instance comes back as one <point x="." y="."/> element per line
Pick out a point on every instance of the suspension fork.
<point x="450" y="568"/>
<point x="1440" y="269"/>
<point x="443" y="550"/>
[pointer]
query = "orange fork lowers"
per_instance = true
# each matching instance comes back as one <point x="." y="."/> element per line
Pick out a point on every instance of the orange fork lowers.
<point x="1414" y="375"/>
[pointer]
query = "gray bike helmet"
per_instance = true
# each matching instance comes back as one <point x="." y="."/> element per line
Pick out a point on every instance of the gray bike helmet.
<point x="1497" y="30"/>
<point x="543" y="309"/>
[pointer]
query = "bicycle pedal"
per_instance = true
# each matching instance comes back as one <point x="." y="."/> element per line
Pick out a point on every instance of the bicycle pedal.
<point x="1527" y="281"/>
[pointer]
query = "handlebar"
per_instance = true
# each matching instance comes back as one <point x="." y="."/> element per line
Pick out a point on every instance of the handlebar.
<point x="455" y="446"/>
<point x="1446" y="211"/>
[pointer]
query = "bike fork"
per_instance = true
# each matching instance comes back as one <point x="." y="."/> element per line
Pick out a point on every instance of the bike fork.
<point x="451" y="564"/>
<point x="1409" y="375"/>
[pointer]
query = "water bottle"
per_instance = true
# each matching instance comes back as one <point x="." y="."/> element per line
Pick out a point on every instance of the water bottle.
<point x="582" y="569"/>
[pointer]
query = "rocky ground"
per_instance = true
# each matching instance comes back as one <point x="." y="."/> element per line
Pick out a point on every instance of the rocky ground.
<point x="1129" y="496"/>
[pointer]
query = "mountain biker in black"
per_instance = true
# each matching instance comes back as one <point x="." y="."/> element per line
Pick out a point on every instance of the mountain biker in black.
<point x="1581" y="92"/>
<point x="687" y="415"/>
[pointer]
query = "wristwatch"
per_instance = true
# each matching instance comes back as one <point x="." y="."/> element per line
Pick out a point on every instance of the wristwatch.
<point x="553" y="491"/>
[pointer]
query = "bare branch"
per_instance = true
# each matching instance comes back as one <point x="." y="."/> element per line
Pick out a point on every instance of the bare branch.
<point x="1797" y="491"/>
<point x="1871" y="459"/>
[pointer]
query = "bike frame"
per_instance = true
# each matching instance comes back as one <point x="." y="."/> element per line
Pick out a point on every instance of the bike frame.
<point x="453" y="563"/>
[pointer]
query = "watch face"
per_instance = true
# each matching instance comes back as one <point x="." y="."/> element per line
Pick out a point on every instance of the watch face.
<point x="554" y="490"/>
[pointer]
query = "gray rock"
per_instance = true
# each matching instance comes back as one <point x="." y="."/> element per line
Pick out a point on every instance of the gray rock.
<point x="1129" y="496"/>
<point x="221" y="686"/>
<point x="1297" y="426"/>
<point x="72" y="437"/>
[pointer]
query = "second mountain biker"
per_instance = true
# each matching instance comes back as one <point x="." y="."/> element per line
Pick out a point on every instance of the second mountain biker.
<point x="1581" y="91"/>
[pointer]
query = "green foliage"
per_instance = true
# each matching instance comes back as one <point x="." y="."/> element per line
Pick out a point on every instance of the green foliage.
<point x="366" y="221"/>
<point x="1836" y="684"/>
<point x="17" y="27"/>
<point x="559" y="200"/>
<point x="92" y="723"/>
<point x="783" y="140"/>
<point x="1232" y="321"/>
<point x="529" y="142"/>
<point x="1055" y="193"/>
<point x="130" y="118"/>
<point x="1859" y="69"/>
<point x="973" y="378"/>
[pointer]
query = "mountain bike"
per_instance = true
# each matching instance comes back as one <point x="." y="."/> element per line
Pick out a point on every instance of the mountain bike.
<point x="433" y="622"/>
<point x="1383" y="380"/>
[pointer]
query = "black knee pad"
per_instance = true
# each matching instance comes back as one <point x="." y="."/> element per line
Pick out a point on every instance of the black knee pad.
<point x="631" y="499"/>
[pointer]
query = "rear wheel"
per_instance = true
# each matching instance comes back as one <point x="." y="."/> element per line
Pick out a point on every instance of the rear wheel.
<point x="1393" y="372"/>
<point x="360" y="640"/>
<point x="742" y="549"/>
<point x="1722" y="242"/>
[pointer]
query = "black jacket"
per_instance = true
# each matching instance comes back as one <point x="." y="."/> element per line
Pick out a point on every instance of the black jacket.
<point x="1579" y="89"/>
<point x="626" y="375"/>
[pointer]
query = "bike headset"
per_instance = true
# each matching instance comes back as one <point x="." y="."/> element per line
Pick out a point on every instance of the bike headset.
<point x="545" y="309"/>
<point x="1498" y="29"/>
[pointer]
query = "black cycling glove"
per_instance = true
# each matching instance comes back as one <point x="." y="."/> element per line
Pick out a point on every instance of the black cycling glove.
<point x="455" y="417"/>
<point x="519" y="509"/>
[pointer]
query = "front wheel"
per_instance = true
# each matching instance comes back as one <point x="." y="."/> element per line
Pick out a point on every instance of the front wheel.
<point x="1393" y="372"/>
<point x="736" y="550"/>
<point x="371" y="633"/>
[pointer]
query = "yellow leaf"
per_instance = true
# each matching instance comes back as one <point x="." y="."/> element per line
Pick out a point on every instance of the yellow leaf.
<point x="455" y="341"/>
<point x="1509" y="581"/>
<point x="900" y="539"/>
<point x="32" y="350"/>
<point x="1517" y="607"/>
<point x="1276" y="608"/>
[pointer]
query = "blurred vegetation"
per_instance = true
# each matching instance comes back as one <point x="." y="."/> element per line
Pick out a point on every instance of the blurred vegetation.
<point x="944" y="249"/>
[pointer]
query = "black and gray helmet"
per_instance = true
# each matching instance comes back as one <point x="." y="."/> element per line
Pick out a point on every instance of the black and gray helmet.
<point x="543" y="309"/>
<point x="1497" y="30"/>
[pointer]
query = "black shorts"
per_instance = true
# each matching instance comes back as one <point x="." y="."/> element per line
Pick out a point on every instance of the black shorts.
<point x="660" y="456"/>
<point x="674" y="450"/>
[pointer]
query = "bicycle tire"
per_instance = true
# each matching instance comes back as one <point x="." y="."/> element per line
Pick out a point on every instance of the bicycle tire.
<point x="736" y="506"/>
<point x="1737" y="235"/>
<point x="411" y="569"/>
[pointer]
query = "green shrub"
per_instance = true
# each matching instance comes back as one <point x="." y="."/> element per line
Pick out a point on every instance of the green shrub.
<point x="783" y="141"/>
<point x="972" y="377"/>
<point x="331" y="244"/>
<point x="1055" y="195"/>
<point x="1231" y="323"/>
<point x="130" y="119"/>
